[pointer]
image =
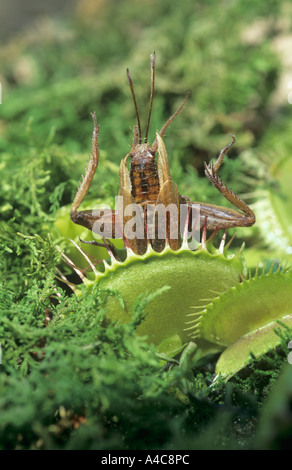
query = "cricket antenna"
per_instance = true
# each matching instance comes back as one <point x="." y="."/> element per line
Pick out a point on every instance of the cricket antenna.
<point x="154" y="146"/>
<point x="169" y="121"/>
<point x="152" y="65"/>
<point x="136" y="107"/>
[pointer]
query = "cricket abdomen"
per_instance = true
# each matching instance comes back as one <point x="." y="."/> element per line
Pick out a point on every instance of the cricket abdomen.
<point x="144" y="178"/>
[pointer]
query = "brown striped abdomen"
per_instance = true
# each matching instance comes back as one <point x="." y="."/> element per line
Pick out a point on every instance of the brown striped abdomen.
<point x="144" y="178"/>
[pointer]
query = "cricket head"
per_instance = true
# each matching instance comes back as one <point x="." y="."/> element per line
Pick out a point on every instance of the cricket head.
<point x="140" y="151"/>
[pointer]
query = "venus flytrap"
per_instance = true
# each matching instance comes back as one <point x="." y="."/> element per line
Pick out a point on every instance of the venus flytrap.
<point x="243" y="320"/>
<point x="193" y="295"/>
<point x="184" y="272"/>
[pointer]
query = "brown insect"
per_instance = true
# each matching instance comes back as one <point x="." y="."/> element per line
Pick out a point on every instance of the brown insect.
<point x="148" y="184"/>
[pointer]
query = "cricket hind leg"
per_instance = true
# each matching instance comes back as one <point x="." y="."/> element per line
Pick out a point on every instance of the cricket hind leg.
<point x="211" y="173"/>
<point x="84" y="218"/>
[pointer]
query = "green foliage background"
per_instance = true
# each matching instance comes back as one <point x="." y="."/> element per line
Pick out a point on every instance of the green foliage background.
<point x="66" y="381"/>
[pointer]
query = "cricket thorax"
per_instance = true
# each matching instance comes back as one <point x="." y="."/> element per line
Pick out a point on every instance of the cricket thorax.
<point x="144" y="176"/>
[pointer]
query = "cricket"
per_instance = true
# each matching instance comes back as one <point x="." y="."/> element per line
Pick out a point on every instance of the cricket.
<point x="147" y="184"/>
